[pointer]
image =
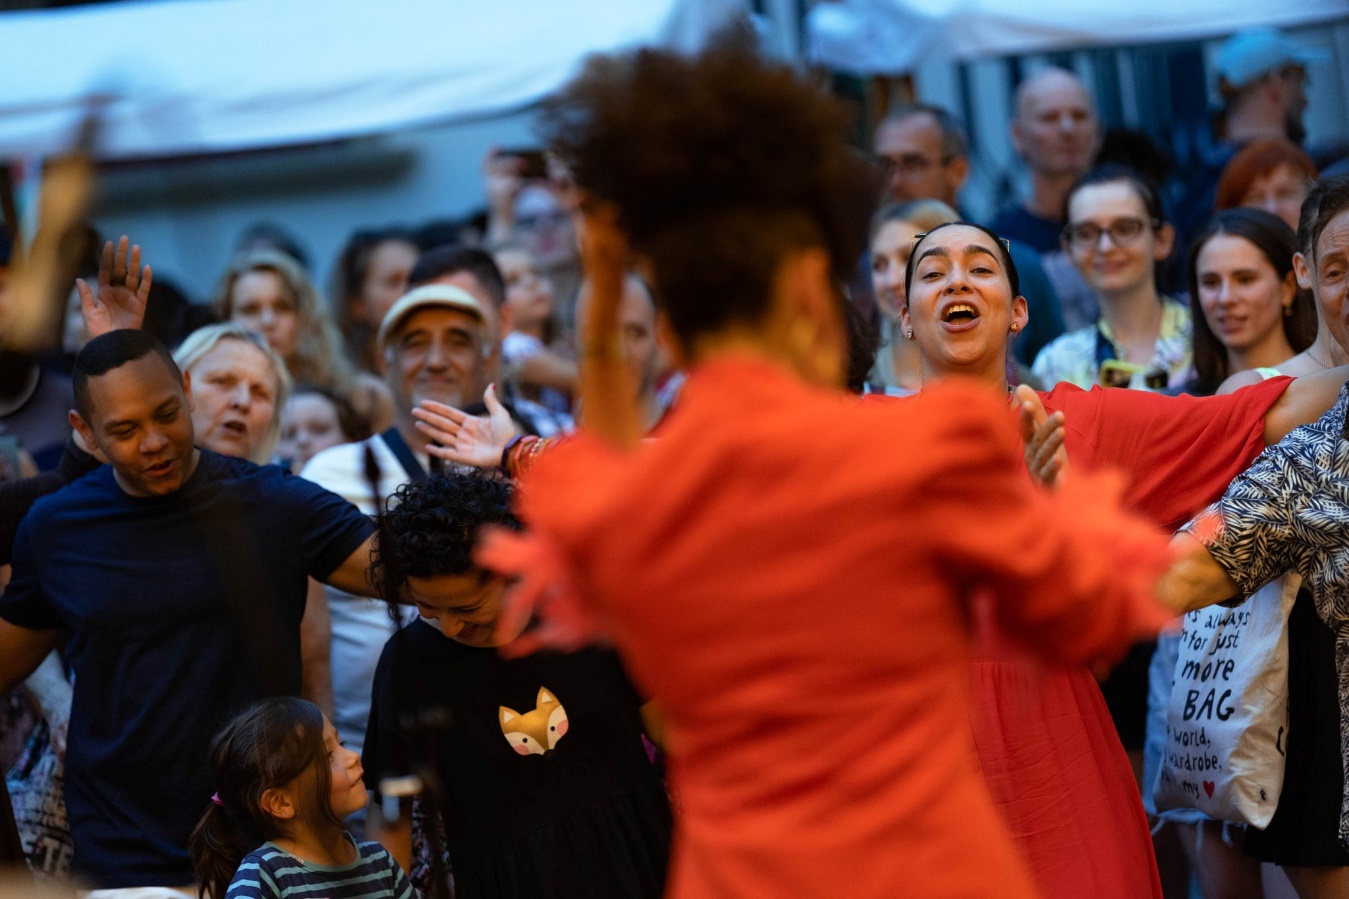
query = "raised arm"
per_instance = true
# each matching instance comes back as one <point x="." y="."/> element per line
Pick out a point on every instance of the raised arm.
<point x="610" y="409"/>
<point x="1071" y="573"/>
<point x="123" y="290"/>
<point x="1280" y="515"/>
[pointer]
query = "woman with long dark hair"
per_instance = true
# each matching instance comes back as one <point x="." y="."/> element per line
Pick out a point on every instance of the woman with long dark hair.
<point x="1247" y="309"/>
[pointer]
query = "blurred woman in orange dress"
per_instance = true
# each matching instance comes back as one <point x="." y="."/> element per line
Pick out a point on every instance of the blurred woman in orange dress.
<point x="790" y="573"/>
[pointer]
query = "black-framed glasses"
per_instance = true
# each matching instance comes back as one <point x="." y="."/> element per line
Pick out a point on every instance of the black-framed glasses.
<point x="1123" y="232"/>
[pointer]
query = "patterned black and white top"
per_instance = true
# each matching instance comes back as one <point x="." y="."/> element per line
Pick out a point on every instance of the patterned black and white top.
<point x="1290" y="512"/>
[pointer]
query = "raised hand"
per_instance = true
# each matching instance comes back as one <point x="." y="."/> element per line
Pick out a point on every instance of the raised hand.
<point x="123" y="290"/>
<point x="466" y="439"/>
<point x="1043" y="434"/>
<point x="503" y="182"/>
<point x="608" y="394"/>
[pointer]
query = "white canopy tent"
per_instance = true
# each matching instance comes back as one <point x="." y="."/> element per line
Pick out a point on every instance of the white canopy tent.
<point x="181" y="77"/>
<point x="888" y="37"/>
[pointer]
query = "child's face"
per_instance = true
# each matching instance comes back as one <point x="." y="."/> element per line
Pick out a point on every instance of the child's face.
<point x="463" y="607"/>
<point x="309" y="425"/>
<point x="344" y="769"/>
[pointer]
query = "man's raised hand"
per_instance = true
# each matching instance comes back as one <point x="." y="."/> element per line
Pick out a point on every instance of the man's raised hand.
<point x="123" y="290"/>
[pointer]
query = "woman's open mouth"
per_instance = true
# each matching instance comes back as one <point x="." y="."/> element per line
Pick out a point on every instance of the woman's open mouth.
<point x="959" y="316"/>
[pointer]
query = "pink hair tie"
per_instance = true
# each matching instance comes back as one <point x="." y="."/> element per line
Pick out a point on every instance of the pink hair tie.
<point x="215" y="797"/>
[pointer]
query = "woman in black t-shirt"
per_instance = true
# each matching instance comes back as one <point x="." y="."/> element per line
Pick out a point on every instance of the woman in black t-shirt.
<point x="539" y="767"/>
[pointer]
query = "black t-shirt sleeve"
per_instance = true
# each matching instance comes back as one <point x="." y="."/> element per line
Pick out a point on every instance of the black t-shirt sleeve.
<point x="330" y="528"/>
<point x="23" y="602"/>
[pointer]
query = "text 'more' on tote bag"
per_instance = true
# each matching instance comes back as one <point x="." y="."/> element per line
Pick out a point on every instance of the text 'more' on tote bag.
<point x="1227" y="724"/>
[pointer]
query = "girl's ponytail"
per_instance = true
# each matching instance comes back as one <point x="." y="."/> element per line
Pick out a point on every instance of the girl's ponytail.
<point x="266" y="747"/>
<point x="217" y="846"/>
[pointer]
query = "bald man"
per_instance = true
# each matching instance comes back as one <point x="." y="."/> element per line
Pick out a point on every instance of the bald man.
<point x="1057" y="133"/>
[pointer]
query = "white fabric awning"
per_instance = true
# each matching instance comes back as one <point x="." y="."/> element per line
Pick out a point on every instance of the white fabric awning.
<point x="867" y="37"/>
<point x="181" y="77"/>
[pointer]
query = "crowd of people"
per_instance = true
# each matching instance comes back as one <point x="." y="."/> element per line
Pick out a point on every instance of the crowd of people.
<point x="721" y="513"/>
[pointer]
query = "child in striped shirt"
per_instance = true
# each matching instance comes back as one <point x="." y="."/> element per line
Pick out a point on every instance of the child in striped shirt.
<point x="275" y="828"/>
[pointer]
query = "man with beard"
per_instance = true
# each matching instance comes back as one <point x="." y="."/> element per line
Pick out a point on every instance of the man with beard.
<point x="1262" y="77"/>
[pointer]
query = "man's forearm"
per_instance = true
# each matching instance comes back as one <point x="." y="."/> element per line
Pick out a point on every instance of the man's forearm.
<point x="22" y="650"/>
<point x="1194" y="579"/>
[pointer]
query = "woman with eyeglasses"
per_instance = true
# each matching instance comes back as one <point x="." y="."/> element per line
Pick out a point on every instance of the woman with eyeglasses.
<point x="1116" y="235"/>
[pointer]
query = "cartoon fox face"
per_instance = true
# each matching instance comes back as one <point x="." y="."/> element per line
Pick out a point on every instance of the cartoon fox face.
<point x="536" y="732"/>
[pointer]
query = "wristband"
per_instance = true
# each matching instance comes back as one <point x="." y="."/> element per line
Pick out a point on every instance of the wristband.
<point x="506" y="452"/>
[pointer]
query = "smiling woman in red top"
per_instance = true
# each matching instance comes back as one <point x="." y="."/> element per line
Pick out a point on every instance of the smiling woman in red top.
<point x="1045" y="740"/>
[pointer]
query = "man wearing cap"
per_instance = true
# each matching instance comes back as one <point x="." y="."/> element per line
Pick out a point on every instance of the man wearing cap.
<point x="476" y="271"/>
<point x="436" y="341"/>
<point x="1261" y="76"/>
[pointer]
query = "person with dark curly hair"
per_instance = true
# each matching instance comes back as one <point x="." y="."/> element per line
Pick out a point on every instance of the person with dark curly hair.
<point x="543" y="780"/>
<point x="786" y="569"/>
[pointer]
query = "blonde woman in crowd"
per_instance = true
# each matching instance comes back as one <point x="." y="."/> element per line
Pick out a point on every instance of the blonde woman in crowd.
<point x="267" y="292"/>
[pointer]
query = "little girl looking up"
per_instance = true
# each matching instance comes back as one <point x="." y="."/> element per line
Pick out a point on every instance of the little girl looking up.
<point x="275" y="829"/>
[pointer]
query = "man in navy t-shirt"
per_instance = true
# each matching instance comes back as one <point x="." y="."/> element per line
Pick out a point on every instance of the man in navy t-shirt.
<point x="178" y="578"/>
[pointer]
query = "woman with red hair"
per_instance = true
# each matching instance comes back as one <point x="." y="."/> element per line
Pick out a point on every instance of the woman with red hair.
<point x="1273" y="175"/>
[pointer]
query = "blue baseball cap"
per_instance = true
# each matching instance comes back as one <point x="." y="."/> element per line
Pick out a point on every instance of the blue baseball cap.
<point x="1248" y="55"/>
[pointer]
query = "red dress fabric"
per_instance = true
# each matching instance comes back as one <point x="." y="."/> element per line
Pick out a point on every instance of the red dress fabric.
<point x="1044" y="737"/>
<point x="790" y="573"/>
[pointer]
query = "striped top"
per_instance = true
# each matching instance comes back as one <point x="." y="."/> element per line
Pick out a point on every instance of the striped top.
<point x="269" y="872"/>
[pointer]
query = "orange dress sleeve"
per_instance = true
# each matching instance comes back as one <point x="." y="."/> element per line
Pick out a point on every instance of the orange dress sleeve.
<point x="1072" y="573"/>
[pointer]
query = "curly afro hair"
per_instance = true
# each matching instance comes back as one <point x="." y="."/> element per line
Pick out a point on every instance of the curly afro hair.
<point x="432" y="524"/>
<point x="721" y="165"/>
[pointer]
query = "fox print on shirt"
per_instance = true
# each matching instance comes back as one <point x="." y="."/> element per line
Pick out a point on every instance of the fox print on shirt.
<point x="536" y="732"/>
